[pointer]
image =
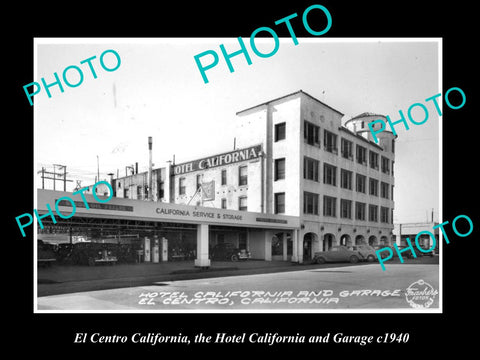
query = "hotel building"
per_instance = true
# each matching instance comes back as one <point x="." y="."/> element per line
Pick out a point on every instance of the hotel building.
<point x="293" y="157"/>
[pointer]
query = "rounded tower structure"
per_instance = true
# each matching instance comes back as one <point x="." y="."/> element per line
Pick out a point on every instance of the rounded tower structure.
<point x="359" y="125"/>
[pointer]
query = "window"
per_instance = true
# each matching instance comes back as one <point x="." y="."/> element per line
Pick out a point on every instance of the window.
<point x="373" y="160"/>
<point x="161" y="189"/>
<point x="330" y="141"/>
<point x="181" y="186"/>
<point x="126" y="193"/>
<point x="384" y="190"/>
<point x="224" y="177"/>
<point x="385" y="165"/>
<point x="311" y="133"/>
<point x="280" y="131"/>
<point x="346" y="149"/>
<point x="310" y="203"/>
<point x="329" y="174"/>
<point x="373" y="213"/>
<point x="310" y="169"/>
<point x="329" y="206"/>
<point x="391" y="197"/>
<point x="242" y="203"/>
<point x="373" y="187"/>
<point x="359" y="211"/>
<point x="279" y="169"/>
<point x="393" y="163"/>
<point x="242" y="175"/>
<point x="279" y="203"/>
<point x="199" y="181"/>
<point x="384" y="214"/>
<point x="361" y="183"/>
<point x="224" y="203"/>
<point x="346" y="179"/>
<point x="361" y="155"/>
<point x="393" y="145"/>
<point x="139" y="192"/>
<point x="345" y="209"/>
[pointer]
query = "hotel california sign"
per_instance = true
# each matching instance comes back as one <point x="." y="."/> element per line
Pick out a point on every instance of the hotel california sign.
<point x="232" y="157"/>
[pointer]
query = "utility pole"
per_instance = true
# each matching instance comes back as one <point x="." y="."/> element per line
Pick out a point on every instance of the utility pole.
<point x="43" y="178"/>
<point x="56" y="176"/>
<point x="150" y="165"/>
<point x="65" y="178"/>
<point x="98" y="170"/>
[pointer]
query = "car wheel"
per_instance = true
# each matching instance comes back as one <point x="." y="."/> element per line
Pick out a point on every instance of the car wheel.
<point x="320" y="260"/>
<point x="353" y="259"/>
<point x="234" y="257"/>
<point x="370" y="258"/>
<point x="91" y="261"/>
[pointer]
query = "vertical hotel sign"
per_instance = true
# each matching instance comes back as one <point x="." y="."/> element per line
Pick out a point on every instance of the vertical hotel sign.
<point x="250" y="153"/>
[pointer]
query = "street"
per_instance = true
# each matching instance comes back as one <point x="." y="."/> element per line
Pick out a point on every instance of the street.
<point x="317" y="289"/>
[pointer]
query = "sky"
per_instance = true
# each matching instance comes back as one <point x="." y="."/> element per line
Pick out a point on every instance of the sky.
<point x="158" y="91"/>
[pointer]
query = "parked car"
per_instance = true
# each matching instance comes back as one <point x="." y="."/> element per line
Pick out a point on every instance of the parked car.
<point x="337" y="254"/>
<point x="384" y="254"/>
<point x="367" y="252"/>
<point x="91" y="254"/>
<point x="228" y="251"/>
<point x="45" y="253"/>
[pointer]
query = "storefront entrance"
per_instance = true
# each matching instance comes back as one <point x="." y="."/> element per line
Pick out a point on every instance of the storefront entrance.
<point x="308" y="240"/>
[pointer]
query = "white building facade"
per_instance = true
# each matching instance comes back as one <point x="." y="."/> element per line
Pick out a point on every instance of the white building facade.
<point x="335" y="178"/>
<point x="295" y="158"/>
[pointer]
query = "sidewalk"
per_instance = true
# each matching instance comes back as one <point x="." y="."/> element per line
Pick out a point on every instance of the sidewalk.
<point x="60" y="279"/>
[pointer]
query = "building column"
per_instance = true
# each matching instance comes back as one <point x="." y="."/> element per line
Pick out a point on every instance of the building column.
<point x="202" y="259"/>
<point x="294" y="245"/>
<point x="300" y="249"/>
<point x="146" y="250"/>
<point x="268" y="245"/>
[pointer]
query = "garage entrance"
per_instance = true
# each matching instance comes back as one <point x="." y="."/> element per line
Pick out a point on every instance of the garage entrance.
<point x="139" y="231"/>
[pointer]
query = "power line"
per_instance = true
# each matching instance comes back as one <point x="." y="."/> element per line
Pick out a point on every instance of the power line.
<point x="57" y="176"/>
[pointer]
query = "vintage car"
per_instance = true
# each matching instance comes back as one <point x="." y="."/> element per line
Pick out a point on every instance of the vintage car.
<point x="228" y="251"/>
<point x="91" y="254"/>
<point x="367" y="252"/>
<point x="337" y="254"/>
<point x="45" y="253"/>
<point x="405" y="255"/>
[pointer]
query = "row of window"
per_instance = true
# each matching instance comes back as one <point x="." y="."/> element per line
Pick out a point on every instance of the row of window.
<point x="311" y="136"/>
<point x="242" y="179"/>
<point x="310" y="206"/>
<point x="142" y="191"/>
<point x="311" y="172"/>
<point x="242" y="203"/>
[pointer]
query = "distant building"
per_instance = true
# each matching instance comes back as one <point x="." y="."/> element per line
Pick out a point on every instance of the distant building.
<point x="135" y="186"/>
<point x="101" y="189"/>
<point x="410" y="230"/>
